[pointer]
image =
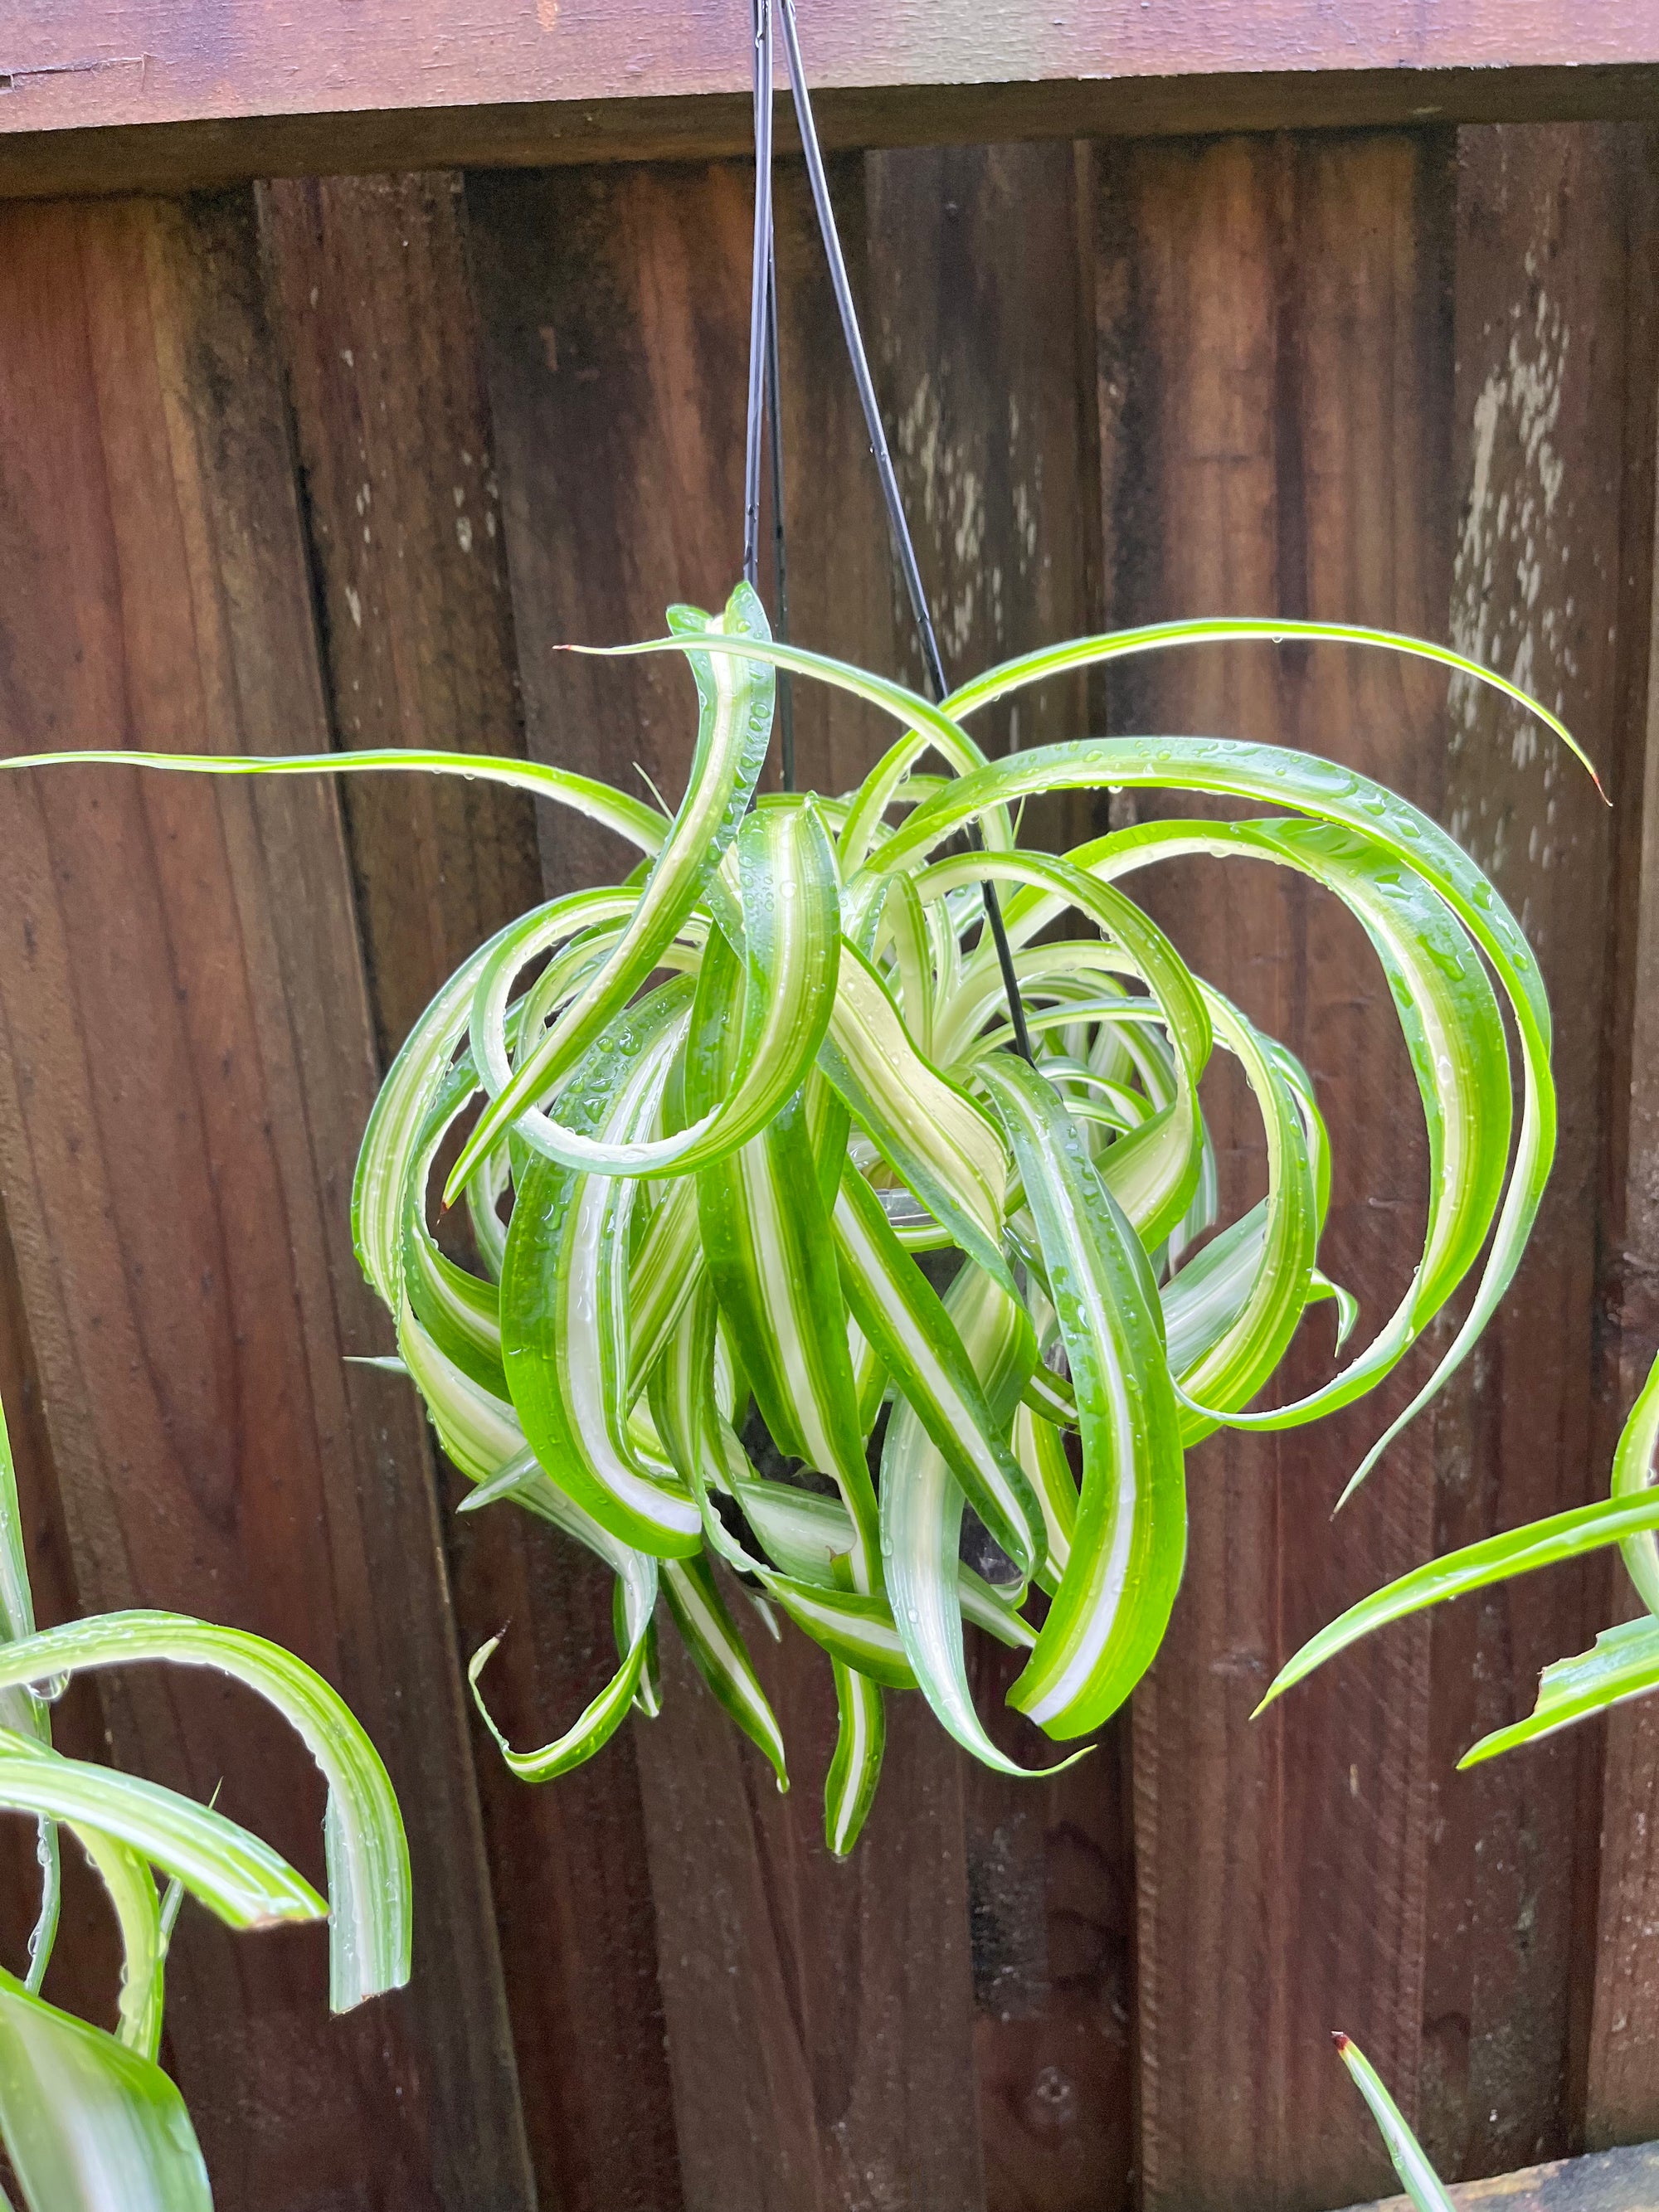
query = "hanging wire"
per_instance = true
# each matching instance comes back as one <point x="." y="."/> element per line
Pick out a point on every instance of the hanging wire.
<point x="779" y="560"/>
<point x="763" y="385"/>
<point x="759" y="289"/>
<point x="903" y="546"/>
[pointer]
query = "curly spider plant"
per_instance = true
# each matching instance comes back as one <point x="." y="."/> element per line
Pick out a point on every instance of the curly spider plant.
<point x="743" y="1147"/>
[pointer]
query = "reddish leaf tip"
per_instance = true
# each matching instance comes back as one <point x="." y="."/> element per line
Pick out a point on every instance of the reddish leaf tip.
<point x="1340" y="2040"/>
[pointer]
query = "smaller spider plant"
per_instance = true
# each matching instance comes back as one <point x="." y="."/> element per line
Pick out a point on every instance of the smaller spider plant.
<point x="1623" y="1662"/>
<point x="89" y="2121"/>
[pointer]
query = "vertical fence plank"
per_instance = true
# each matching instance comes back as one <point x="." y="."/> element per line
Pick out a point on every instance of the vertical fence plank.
<point x="386" y="370"/>
<point x="385" y="373"/>
<point x="976" y="282"/>
<point x="1622" y="2084"/>
<point x="1274" y="375"/>
<point x="188" y="1058"/>
<point x="818" y="2015"/>
<point x="1539" y="469"/>
<point x="980" y="304"/>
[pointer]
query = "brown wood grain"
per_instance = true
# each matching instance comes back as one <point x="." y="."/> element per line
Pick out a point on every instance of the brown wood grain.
<point x="1275" y="381"/>
<point x="977" y="316"/>
<point x="1544" y="367"/>
<point x="1622" y="2064"/>
<point x="386" y="369"/>
<point x="384" y="363"/>
<point x="979" y="313"/>
<point x="617" y="314"/>
<point x="1601" y="2181"/>
<point x="164" y="93"/>
<point x="818" y="2016"/>
<point x="190" y="157"/>
<point x="187" y="1060"/>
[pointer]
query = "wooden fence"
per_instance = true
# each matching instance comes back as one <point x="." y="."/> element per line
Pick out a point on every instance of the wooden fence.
<point x="337" y="463"/>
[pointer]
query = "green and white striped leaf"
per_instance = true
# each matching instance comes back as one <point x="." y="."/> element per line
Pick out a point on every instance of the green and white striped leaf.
<point x="1129" y="1543"/>
<point x="366" y="1853"/>
<point x="912" y="1332"/>
<point x="849" y="1789"/>
<point x="929" y="1132"/>
<point x="89" y="2125"/>
<point x="803" y="1536"/>
<point x="601" y="1717"/>
<point x="564" y="1294"/>
<point x="735" y="697"/>
<point x="1623" y="1663"/>
<point x="922" y="1506"/>
<point x="236" y="1876"/>
<point x="856" y="1627"/>
<point x="1494" y="1559"/>
<point x="711" y="1636"/>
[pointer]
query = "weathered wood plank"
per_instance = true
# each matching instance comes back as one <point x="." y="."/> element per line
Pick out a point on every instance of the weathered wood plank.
<point x="385" y="373"/>
<point x="160" y="93"/>
<point x="1275" y="377"/>
<point x="984" y="348"/>
<point x="1540" y="473"/>
<point x="976" y="320"/>
<point x="1621" y="2098"/>
<point x="818" y="2016"/>
<point x="383" y="354"/>
<point x="617" y="318"/>
<point x="188" y="1059"/>
<point x="1601" y="2181"/>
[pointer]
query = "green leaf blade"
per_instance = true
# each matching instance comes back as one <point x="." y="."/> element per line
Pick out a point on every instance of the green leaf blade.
<point x="367" y="1852"/>
<point x="89" y="2125"/>
<point x="1419" y="2178"/>
<point x="1129" y="1544"/>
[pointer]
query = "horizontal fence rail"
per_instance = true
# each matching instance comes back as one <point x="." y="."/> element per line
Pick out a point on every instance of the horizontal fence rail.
<point x="151" y="95"/>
